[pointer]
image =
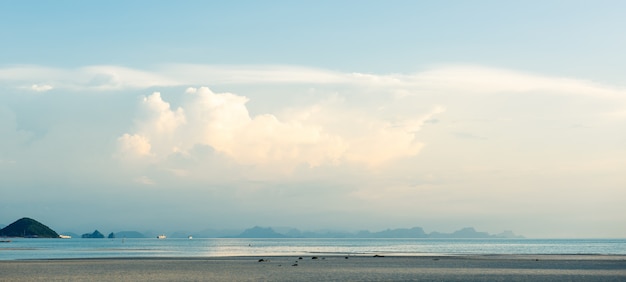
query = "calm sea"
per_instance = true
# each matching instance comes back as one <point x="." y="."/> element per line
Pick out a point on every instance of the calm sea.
<point x="21" y="248"/>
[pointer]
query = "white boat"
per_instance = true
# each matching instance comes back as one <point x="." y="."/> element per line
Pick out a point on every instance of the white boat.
<point x="65" y="236"/>
<point x="161" y="236"/>
<point x="190" y="237"/>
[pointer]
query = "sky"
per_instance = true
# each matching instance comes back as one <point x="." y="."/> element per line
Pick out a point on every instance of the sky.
<point x="343" y="115"/>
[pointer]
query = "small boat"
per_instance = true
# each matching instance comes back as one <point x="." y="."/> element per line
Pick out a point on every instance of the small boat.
<point x="161" y="236"/>
<point x="190" y="237"/>
<point x="65" y="236"/>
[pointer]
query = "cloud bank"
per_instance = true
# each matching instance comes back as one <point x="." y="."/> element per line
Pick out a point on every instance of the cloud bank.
<point x="312" y="135"/>
<point x="468" y="79"/>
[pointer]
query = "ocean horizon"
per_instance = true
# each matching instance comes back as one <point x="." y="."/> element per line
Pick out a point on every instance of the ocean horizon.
<point x="79" y="248"/>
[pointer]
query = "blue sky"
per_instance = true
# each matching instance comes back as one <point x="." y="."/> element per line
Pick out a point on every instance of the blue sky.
<point x="555" y="37"/>
<point x="315" y="114"/>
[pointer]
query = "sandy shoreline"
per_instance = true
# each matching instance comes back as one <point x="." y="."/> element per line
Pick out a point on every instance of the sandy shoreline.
<point x="324" y="268"/>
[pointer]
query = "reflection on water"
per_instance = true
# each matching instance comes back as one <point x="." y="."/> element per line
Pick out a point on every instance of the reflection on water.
<point x="20" y="248"/>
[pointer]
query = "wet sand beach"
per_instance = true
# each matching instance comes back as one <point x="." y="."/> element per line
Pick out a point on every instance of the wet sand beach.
<point x="324" y="268"/>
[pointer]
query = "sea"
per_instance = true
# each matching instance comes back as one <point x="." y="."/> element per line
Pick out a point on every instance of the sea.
<point x="34" y="248"/>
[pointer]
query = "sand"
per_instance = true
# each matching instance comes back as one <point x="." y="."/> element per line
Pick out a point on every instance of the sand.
<point x="324" y="268"/>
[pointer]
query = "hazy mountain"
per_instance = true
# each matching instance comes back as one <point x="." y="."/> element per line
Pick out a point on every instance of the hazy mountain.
<point x="507" y="234"/>
<point x="468" y="232"/>
<point x="216" y="233"/>
<point x="260" y="232"/>
<point x="95" y="234"/>
<point x="415" y="232"/>
<point x="129" y="234"/>
<point x="30" y="227"/>
<point x="295" y="233"/>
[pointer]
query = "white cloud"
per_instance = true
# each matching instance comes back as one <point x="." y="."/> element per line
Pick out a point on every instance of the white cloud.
<point x="313" y="135"/>
<point x="262" y="74"/>
<point x="159" y="118"/>
<point x="376" y="125"/>
<point x="134" y="146"/>
<point x="41" y="88"/>
<point x="478" y="79"/>
<point x="115" y="77"/>
<point x="465" y="79"/>
<point x="94" y="78"/>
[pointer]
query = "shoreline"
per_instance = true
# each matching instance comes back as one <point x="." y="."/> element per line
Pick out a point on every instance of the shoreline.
<point x="564" y="256"/>
<point x="318" y="267"/>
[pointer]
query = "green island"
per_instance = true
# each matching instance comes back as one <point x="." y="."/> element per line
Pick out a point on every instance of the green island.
<point x="28" y="228"/>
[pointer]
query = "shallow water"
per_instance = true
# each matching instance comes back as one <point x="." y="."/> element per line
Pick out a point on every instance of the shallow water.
<point x="22" y="248"/>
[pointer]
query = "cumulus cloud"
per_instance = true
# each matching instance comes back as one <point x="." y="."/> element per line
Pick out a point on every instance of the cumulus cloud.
<point x="135" y="145"/>
<point x="314" y="135"/>
<point x="159" y="117"/>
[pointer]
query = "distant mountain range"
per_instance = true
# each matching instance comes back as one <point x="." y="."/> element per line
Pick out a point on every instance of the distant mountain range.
<point x="27" y="227"/>
<point x="129" y="234"/>
<point x="415" y="232"/>
<point x="268" y="232"/>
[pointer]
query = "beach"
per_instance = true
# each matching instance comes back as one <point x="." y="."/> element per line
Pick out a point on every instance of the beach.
<point x="324" y="268"/>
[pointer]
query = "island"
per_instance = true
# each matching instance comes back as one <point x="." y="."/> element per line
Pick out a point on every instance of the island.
<point x="28" y="228"/>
